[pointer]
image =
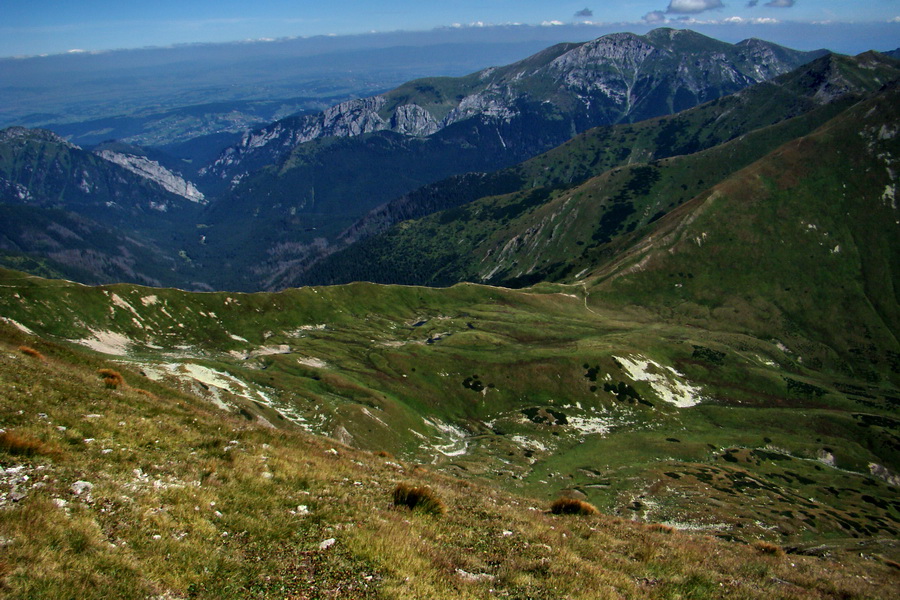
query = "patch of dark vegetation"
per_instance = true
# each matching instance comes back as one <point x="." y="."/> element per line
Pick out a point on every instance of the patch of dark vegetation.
<point x="801" y="388"/>
<point x="591" y="372"/>
<point x="708" y="355"/>
<point x="673" y="475"/>
<point x="801" y="479"/>
<point x="764" y="455"/>
<point x="674" y="440"/>
<point x="877" y="421"/>
<point x="475" y="384"/>
<point x="547" y="416"/>
<point x="622" y="391"/>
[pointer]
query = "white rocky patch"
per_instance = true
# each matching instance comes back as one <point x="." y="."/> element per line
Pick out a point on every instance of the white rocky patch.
<point x="118" y="301"/>
<point x="369" y="414"/>
<point x="149" y="300"/>
<point x="457" y="445"/>
<point x="107" y="342"/>
<point x="152" y="170"/>
<point x="315" y="363"/>
<point x="668" y="383"/>
<point x="17" y="325"/>
<point x="528" y="444"/>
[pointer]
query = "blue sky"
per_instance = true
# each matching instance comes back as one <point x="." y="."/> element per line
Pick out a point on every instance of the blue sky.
<point x="29" y="27"/>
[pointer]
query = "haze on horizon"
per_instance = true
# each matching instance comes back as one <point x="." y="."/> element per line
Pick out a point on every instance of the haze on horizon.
<point x="44" y="27"/>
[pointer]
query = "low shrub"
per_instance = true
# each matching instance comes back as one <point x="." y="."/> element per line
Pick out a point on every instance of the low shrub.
<point x="418" y="498"/>
<point x="29" y="351"/>
<point x="572" y="506"/>
<point x="112" y="379"/>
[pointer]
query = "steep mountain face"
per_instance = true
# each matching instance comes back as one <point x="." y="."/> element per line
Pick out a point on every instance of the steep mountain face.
<point x="619" y="77"/>
<point x="287" y="191"/>
<point x="152" y="170"/>
<point x="556" y="215"/>
<point x="91" y="217"/>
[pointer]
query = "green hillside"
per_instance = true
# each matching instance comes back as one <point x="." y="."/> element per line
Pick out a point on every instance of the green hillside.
<point x="134" y="489"/>
<point x="494" y="239"/>
<point x="536" y="391"/>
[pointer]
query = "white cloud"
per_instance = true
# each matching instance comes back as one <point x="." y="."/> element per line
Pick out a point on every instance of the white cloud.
<point x="552" y="23"/>
<point x="692" y="7"/>
<point x="655" y="17"/>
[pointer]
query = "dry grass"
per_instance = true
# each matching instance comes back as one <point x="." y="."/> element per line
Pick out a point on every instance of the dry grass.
<point x="768" y="548"/>
<point x="112" y="379"/>
<point x="572" y="506"/>
<point x="418" y="498"/>
<point x="22" y="445"/>
<point x="661" y="528"/>
<point x="29" y="351"/>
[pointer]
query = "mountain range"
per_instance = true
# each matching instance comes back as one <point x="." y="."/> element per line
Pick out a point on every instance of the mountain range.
<point x="283" y="195"/>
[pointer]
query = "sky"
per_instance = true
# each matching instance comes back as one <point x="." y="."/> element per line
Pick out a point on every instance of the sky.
<point x="35" y="27"/>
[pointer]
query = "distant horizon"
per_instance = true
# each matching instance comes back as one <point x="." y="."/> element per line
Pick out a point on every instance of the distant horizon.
<point x="843" y="38"/>
<point x="44" y="27"/>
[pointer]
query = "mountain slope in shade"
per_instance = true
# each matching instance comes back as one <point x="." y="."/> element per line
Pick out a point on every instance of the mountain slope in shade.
<point x="92" y="218"/>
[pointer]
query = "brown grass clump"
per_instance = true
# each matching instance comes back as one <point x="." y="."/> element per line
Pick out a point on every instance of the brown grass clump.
<point x="768" y="548"/>
<point x="21" y="445"/>
<point x="418" y="498"/>
<point x="661" y="527"/>
<point x="572" y="506"/>
<point x="29" y="351"/>
<point x="384" y="454"/>
<point x="150" y="395"/>
<point x="112" y="379"/>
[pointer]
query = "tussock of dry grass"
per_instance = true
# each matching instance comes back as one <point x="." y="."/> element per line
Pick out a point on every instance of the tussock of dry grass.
<point x="23" y="445"/>
<point x="768" y="548"/>
<point x="29" y="351"/>
<point x="418" y="498"/>
<point x="112" y="379"/>
<point x="572" y="506"/>
<point x="661" y="528"/>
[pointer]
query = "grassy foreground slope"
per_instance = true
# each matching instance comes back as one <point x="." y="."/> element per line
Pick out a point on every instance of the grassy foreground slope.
<point x="138" y="490"/>
<point x="539" y="392"/>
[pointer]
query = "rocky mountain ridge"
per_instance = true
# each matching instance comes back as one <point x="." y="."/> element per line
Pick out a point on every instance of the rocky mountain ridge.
<point x="618" y="77"/>
<point x="152" y="170"/>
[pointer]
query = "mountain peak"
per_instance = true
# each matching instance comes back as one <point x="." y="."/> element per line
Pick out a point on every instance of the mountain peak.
<point x="40" y="135"/>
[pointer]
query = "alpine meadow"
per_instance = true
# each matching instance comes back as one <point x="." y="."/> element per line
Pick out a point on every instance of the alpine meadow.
<point x="617" y="319"/>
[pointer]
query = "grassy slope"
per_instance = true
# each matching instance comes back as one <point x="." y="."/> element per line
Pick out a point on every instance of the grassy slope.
<point x="511" y="387"/>
<point x="187" y="501"/>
